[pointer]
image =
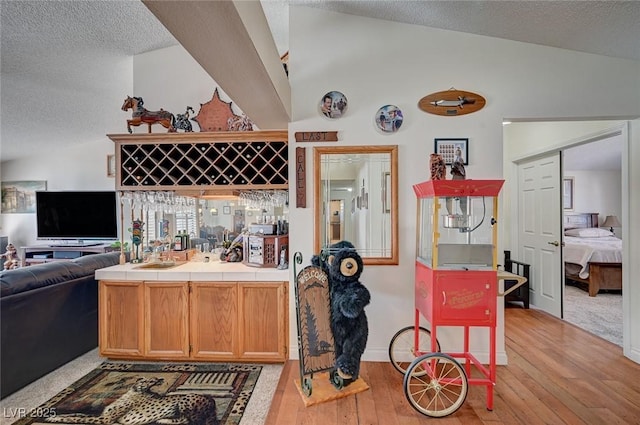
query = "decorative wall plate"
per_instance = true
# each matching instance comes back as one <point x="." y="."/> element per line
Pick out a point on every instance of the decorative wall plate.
<point x="389" y="118"/>
<point x="452" y="102"/>
<point x="333" y="104"/>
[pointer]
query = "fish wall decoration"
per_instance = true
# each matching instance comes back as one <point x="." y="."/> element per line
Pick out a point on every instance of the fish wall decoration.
<point x="452" y="102"/>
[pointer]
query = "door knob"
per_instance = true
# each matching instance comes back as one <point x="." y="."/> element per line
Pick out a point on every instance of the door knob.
<point x="554" y="243"/>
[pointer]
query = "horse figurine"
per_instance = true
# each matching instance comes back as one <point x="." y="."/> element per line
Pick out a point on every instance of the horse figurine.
<point x="141" y="115"/>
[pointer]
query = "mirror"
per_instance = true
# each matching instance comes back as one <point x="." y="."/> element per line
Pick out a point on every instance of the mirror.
<point x="216" y="218"/>
<point x="356" y="199"/>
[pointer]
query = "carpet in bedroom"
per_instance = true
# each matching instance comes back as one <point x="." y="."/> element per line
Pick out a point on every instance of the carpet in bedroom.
<point x="600" y="315"/>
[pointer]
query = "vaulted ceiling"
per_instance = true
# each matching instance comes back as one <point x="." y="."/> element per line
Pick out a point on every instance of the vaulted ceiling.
<point x="54" y="51"/>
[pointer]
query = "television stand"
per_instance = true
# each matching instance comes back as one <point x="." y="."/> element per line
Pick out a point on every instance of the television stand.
<point x="75" y="244"/>
<point x="37" y="254"/>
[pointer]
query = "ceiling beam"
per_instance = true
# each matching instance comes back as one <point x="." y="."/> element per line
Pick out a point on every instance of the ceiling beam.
<point x="232" y="42"/>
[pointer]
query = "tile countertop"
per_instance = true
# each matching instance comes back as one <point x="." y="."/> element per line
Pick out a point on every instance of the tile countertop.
<point x="195" y="272"/>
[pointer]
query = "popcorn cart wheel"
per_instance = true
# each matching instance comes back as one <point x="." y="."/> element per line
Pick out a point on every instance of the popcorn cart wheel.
<point x="435" y="384"/>
<point x="403" y="346"/>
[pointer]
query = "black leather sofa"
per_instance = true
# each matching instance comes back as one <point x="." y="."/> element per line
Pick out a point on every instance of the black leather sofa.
<point x="48" y="317"/>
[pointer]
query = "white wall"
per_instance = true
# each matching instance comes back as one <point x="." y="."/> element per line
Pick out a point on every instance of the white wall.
<point x="172" y="80"/>
<point x="630" y="245"/>
<point x="375" y="63"/>
<point x="597" y="191"/>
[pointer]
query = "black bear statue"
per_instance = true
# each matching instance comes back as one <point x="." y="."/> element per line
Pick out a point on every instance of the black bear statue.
<point x="349" y="297"/>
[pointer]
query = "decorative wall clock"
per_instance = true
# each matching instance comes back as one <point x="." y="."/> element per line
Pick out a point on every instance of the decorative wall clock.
<point x="333" y="104"/>
<point x="452" y="102"/>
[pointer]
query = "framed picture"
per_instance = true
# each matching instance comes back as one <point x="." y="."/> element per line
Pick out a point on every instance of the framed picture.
<point x="226" y="210"/>
<point x="111" y="165"/>
<point x="567" y="193"/>
<point x="19" y="197"/>
<point x="449" y="148"/>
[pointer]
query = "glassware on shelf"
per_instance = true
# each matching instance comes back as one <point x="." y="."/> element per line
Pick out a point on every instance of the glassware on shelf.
<point x="263" y="199"/>
<point x="159" y="201"/>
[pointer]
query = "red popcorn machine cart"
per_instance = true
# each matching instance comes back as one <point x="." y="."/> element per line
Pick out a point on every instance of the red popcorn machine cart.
<point x="456" y="284"/>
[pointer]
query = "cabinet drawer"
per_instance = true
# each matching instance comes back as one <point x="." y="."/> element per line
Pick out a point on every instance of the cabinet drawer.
<point x="465" y="298"/>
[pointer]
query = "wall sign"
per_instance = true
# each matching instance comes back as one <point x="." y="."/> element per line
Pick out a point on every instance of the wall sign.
<point x="452" y="102"/>
<point x="316" y="136"/>
<point x="301" y="178"/>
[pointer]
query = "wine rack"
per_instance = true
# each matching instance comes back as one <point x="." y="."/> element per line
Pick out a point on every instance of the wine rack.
<point x="202" y="161"/>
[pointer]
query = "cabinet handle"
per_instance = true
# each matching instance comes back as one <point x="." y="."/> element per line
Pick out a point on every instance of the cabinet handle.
<point x="444" y="298"/>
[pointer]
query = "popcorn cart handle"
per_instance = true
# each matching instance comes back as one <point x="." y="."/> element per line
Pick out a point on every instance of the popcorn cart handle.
<point x="504" y="275"/>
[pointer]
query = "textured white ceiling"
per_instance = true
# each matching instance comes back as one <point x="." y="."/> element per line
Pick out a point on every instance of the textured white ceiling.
<point x="60" y="62"/>
<point x="610" y="28"/>
<point x="59" y="57"/>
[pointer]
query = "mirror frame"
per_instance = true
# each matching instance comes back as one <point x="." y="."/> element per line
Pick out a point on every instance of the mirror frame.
<point x="390" y="149"/>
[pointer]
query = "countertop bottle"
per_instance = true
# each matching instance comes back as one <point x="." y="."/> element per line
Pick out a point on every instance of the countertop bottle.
<point x="185" y="240"/>
<point x="177" y="242"/>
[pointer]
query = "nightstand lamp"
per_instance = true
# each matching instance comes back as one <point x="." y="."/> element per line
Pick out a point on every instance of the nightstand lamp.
<point x="611" y="221"/>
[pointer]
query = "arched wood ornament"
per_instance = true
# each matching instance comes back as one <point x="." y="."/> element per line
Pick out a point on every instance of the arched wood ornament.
<point x="452" y="102"/>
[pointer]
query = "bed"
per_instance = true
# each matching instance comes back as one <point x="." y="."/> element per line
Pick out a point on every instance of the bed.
<point x="592" y="255"/>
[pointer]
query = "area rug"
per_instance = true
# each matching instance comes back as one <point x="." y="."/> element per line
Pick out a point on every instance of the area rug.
<point x="140" y="393"/>
<point x="601" y="315"/>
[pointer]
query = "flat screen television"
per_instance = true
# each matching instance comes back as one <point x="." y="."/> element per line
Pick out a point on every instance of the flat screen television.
<point x="76" y="215"/>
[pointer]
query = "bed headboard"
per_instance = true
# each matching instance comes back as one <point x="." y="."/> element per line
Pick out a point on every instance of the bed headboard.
<point x="580" y="220"/>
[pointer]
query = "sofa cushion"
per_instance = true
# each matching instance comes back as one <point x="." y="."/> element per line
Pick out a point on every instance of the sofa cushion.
<point x="40" y="275"/>
<point x="91" y="263"/>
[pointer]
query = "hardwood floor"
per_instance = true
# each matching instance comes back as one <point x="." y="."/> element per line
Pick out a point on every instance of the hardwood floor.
<point x="557" y="374"/>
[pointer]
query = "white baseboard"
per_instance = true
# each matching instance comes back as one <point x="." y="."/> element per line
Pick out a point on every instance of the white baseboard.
<point x="382" y="355"/>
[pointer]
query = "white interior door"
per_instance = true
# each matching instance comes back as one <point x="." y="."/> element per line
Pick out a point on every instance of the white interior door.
<point x="539" y="230"/>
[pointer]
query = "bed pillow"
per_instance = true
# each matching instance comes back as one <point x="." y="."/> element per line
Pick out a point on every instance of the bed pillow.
<point x="590" y="232"/>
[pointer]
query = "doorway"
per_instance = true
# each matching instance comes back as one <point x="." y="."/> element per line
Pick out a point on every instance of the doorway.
<point x="336" y="220"/>
<point x="537" y="136"/>
<point x="595" y="171"/>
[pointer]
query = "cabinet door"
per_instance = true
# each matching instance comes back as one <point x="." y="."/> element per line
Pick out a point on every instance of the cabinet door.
<point x="264" y="321"/>
<point x="465" y="298"/>
<point x="121" y="319"/>
<point x="166" y="309"/>
<point x="214" y="320"/>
